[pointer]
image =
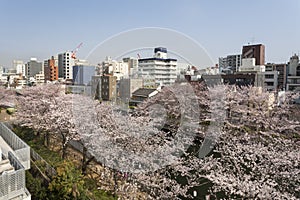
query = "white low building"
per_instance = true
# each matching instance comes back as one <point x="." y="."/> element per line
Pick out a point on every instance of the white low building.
<point x="40" y="78"/>
<point x="248" y="65"/>
<point x="271" y="79"/>
<point x="115" y="68"/>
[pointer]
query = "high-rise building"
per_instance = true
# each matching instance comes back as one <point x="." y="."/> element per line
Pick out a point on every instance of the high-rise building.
<point x="256" y="51"/>
<point x="65" y="65"/>
<point x="160" y="68"/>
<point x="230" y="63"/>
<point x="51" y="69"/>
<point x="33" y="67"/>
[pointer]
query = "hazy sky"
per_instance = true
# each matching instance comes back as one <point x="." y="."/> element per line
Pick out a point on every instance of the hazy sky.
<point x="40" y="28"/>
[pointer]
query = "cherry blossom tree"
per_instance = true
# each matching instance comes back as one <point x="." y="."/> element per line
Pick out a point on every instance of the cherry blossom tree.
<point x="7" y="97"/>
<point x="48" y="110"/>
<point x="189" y="141"/>
<point x="34" y="105"/>
<point x="249" y="156"/>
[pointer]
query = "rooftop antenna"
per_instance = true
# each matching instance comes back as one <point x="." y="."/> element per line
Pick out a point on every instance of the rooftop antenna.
<point x="253" y="40"/>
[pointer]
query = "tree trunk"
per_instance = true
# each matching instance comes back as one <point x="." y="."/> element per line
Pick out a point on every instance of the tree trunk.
<point x="46" y="138"/>
<point x="64" y="147"/>
<point x="64" y="151"/>
<point x="115" y="183"/>
<point x="85" y="161"/>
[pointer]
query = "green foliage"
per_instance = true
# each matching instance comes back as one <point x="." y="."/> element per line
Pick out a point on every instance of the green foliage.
<point x="68" y="91"/>
<point x="69" y="182"/>
<point x="36" y="143"/>
<point x="94" y="192"/>
<point x="36" y="187"/>
<point x="88" y="187"/>
<point x="132" y="107"/>
<point x="10" y="111"/>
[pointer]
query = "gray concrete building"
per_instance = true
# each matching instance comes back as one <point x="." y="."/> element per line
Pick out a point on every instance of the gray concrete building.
<point x="33" y="67"/>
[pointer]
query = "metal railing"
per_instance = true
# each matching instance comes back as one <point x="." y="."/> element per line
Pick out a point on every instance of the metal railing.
<point x="12" y="184"/>
<point x="20" y="148"/>
<point x="49" y="171"/>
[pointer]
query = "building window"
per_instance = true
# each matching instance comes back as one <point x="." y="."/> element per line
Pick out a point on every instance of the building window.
<point x="298" y="71"/>
<point x="269" y="76"/>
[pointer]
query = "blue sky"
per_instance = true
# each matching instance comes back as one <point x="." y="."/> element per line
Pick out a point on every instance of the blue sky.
<point x="35" y="28"/>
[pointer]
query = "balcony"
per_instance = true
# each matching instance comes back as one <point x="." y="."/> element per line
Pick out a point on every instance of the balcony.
<point x="14" y="160"/>
<point x="12" y="179"/>
<point x="9" y="141"/>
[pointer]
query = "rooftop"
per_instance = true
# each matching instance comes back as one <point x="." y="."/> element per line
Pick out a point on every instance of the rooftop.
<point x="144" y="92"/>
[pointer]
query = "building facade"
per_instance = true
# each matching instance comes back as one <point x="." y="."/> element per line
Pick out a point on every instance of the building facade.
<point x="82" y="74"/>
<point x="256" y="51"/>
<point x="65" y="65"/>
<point x="160" y="68"/>
<point x="96" y="87"/>
<point x="119" y="69"/>
<point x="127" y="87"/>
<point x="19" y="66"/>
<point x="230" y="64"/>
<point x="39" y="78"/>
<point x="51" y="69"/>
<point x="293" y="78"/>
<point x="271" y="78"/>
<point x="33" y="67"/>
<point x="281" y="70"/>
<point x="133" y="64"/>
<point x="108" y="88"/>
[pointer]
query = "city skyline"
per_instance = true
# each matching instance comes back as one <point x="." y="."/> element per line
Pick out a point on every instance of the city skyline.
<point x="42" y="29"/>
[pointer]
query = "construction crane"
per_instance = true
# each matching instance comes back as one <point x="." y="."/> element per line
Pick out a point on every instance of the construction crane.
<point x="75" y="51"/>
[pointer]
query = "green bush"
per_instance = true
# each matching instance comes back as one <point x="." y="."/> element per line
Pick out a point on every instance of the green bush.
<point x="69" y="183"/>
<point x="10" y="111"/>
<point x="36" y="187"/>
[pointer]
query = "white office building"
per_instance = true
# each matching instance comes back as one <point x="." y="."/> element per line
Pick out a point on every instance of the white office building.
<point x="248" y="65"/>
<point x="230" y="63"/>
<point x="159" y="68"/>
<point x="133" y="65"/>
<point x="271" y="79"/>
<point x="19" y="66"/>
<point x="119" y="69"/>
<point x="65" y="65"/>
